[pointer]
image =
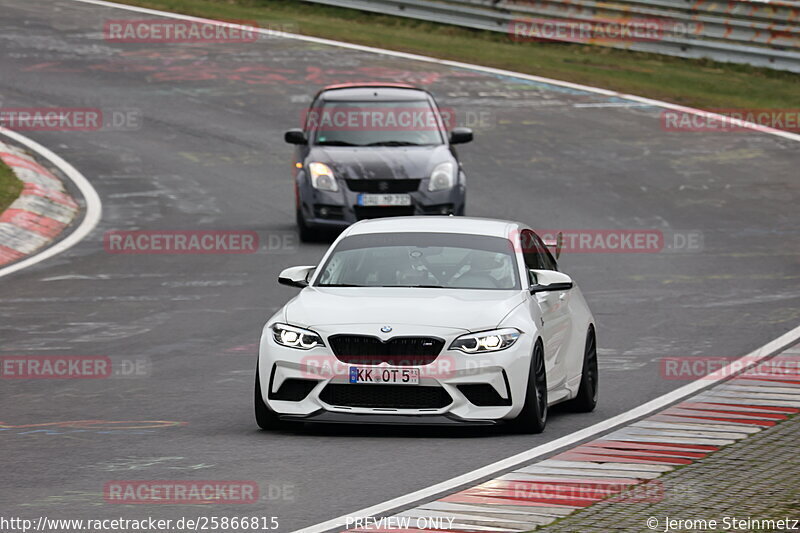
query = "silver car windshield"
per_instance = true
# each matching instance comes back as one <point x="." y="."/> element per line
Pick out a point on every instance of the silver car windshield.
<point x="430" y="260"/>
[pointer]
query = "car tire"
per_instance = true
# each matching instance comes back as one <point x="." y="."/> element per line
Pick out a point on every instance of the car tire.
<point x="307" y="234"/>
<point x="533" y="417"/>
<point x="586" y="400"/>
<point x="266" y="418"/>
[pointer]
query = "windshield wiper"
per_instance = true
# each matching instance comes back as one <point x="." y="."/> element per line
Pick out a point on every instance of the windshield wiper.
<point x="337" y="143"/>
<point x="419" y="286"/>
<point x="394" y="143"/>
<point x="374" y="286"/>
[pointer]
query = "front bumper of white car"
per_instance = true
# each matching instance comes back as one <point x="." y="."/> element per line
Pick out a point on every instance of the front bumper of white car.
<point x="454" y="387"/>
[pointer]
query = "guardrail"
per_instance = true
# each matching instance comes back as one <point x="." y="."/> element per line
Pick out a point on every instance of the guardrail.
<point x="761" y="33"/>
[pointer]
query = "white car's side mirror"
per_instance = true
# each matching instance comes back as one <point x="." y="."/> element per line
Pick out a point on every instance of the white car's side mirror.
<point x="549" y="280"/>
<point x="296" y="276"/>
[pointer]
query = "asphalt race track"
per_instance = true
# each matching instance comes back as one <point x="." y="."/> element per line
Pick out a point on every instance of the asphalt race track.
<point x="209" y="155"/>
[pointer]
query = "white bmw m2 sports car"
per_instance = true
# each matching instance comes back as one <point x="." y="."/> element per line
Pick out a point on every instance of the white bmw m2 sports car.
<point x="429" y="320"/>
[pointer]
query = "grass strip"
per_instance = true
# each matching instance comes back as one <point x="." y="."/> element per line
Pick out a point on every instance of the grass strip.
<point x="10" y="186"/>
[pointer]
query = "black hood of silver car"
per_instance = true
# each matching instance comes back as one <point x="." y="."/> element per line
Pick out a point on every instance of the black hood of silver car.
<point x="381" y="162"/>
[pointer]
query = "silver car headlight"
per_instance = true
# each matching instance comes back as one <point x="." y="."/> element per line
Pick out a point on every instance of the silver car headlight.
<point x="486" y="341"/>
<point x="322" y="177"/>
<point x="294" y="337"/>
<point x="442" y="177"/>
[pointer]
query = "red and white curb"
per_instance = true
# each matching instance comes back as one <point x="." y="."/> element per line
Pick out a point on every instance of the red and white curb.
<point x="619" y="464"/>
<point x="41" y="212"/>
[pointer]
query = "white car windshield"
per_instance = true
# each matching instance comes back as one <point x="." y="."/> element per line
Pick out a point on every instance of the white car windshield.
<point x="430" y="260"/>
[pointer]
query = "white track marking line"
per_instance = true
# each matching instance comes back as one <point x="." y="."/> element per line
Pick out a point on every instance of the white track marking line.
<point x="483" y="510"/>
<point x="537" y="510"/>
<point x="742" y="396"/>
<point x="532" y="520"/>
<point x="424" y="513"/>
<point x="94" y="207"/>
<point x="718" y="407"/>
<point x="555" y="479"/>
<point x="649" y="430"/>
<point x="747" y="382"/>
<point x="696" y="426"/>
<point x="684" y="420"/>
<point x="467" y="521"/>
<point x="584" y="434"/>
<point x="676" y="440"/>
<point x="751" y="401"/>
<point x="611" y="104"/>
<point x="776" y="390"/>
<point x="605" y="465"/>
<point x="717" y="414"/>
<point x="586" y="472"/>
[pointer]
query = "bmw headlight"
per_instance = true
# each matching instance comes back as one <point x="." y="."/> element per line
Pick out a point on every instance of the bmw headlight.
<point x="322" y="177"/>
<point x="442" y="177"/>
<point x="293" y="337"/>
<point x="486" y="341"/>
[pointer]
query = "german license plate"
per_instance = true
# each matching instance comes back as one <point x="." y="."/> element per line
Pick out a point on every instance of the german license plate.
<point x="396" y="376"/>
<point x="384" y="199"/>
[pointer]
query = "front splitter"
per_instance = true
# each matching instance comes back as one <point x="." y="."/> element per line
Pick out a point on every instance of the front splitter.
<point x="331" y="417"/>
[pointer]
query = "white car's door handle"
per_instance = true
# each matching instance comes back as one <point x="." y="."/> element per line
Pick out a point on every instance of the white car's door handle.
<point x="562" y="296"/>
